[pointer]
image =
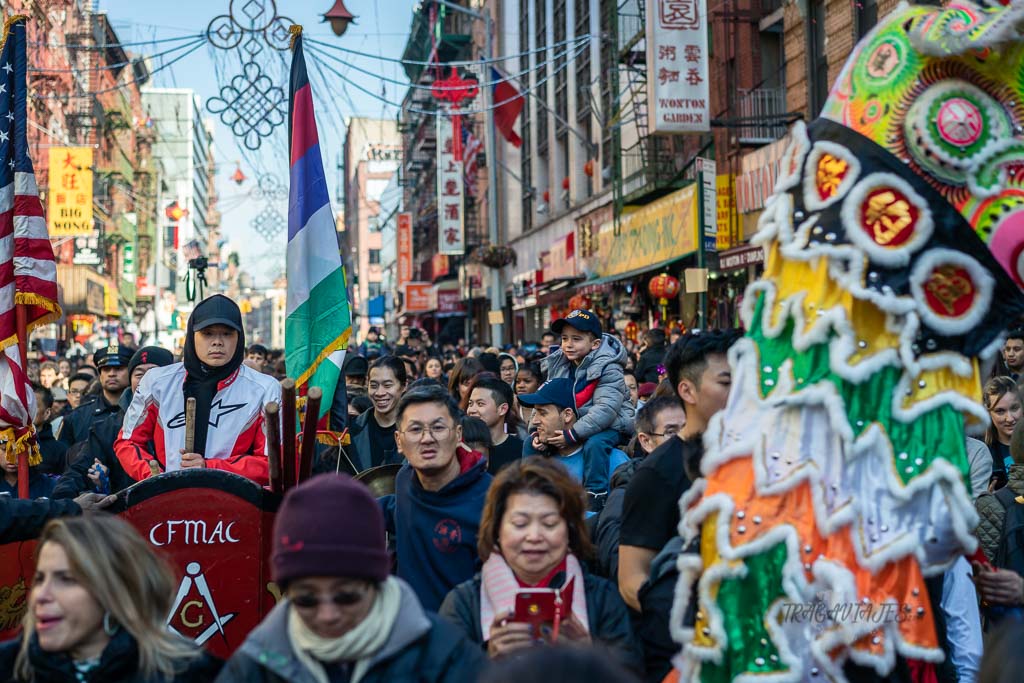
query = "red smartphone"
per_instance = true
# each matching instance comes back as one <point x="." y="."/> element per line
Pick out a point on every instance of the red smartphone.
<point x="538" y="606"/>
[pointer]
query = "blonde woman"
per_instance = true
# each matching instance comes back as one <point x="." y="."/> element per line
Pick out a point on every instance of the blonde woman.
<point x="97" y="612"/>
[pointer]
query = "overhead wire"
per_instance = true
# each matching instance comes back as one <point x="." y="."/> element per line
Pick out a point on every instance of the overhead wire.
<point x="475" y="110"/>
<point x="107" y="46"/>
<point x="413" y="62"/>
<point x="111" y="67"/>
<point x="484" y="84"/>
<point x="86" y="95"/>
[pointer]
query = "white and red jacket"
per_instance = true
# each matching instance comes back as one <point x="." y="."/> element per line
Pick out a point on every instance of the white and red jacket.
<point x="236" y="440"/>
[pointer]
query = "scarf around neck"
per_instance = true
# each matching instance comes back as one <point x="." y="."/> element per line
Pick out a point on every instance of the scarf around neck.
<point x="358" y="645"/>
<point x="498" y="588"/>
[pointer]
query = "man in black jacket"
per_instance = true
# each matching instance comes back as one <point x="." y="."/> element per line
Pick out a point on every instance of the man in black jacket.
<point x="652" y="356"/>
<point x="97" y="459"/>
<point x="22" y="520"/>
<point x="113" y="364"/>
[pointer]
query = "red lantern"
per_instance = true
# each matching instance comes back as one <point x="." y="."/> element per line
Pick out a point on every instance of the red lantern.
<point x="632" y="331"/>
<point x="238" y="176"/>
<point x="663" y="287"/>
<point x="565" y="183"/>
<point x="588" y="168"/>
<point x="580" y="301"/>
<point x="547" y="196"/>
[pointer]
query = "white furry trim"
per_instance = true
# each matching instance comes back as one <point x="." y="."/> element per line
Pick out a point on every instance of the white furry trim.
<point x="812" y="200"/>
<point x="851" y="217"/>
<point x="981" y="281"/>
<point x="793" y="157"/>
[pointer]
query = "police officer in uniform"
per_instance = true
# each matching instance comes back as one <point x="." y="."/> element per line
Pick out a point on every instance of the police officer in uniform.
<point x="113" y="364"/>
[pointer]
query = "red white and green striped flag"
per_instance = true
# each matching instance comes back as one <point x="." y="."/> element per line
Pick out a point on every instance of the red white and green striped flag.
<point x="319" y="320"/>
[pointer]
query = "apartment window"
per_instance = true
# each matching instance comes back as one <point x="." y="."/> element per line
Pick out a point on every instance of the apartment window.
<point x="865" y="16"/>
<point x="374" y="256"/>
<point x="372" y="290"/>
<point x="817" y="66"/>
<point x="374" y="224"/>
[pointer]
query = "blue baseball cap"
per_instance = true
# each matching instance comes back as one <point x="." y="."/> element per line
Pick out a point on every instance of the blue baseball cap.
<point x="582" y="320"/>
<point x="555" y="392"/>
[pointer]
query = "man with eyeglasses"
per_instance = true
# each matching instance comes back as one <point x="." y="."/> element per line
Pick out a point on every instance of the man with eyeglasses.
<point x="434" y="514"/>
<point x="77" y="386"/>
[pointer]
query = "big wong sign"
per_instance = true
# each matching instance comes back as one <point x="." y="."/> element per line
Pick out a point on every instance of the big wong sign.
<point x="215" y="529"/>
<point x="69" y="198"/>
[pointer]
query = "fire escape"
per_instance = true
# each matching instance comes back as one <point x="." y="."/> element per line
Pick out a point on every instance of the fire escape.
<point x="452" y="36"/>
<point x="644" y="166"/>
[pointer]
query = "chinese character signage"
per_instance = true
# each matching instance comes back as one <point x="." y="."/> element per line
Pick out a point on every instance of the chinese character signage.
<point x="404" y="249"/>
<point x="450" y="224"/>
<point x="677" y="66"/>
<point x="709" y="216"/>
<point x="88" y="250"/>
<point x="418" y="297"/>
<point x="69" y="203"/>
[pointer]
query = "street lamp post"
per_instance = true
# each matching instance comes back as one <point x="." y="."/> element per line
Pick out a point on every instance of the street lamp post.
<point x="497" y="287"/>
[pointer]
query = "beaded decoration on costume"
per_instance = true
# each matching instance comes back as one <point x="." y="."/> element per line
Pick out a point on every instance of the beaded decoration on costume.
<point x="836" y="477"/>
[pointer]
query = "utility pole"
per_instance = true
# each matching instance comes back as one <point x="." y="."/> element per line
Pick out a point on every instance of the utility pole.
<point x="497" y="286"/>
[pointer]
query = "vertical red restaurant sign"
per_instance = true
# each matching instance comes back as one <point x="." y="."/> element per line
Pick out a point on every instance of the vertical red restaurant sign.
<point x="404" y="249"/>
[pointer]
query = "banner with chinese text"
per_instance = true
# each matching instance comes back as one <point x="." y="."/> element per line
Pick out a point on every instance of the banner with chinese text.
<point x="69" y="199"/>
<point x="404" y="249"/>
<point x="677" y="66"/>
<point x="451" y="234"/>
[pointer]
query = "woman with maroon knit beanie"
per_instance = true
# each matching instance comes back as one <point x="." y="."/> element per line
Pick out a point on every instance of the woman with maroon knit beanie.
<point x="342" y="618"/>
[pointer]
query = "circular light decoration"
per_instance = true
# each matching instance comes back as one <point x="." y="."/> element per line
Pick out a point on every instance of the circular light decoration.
<point x="952" y="291"/>
<point x="949" y="126"/>
<point x="886" y="218"/>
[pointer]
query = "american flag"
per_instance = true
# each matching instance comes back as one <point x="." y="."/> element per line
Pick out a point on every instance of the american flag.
<point x="471" y="146"/>
<point x="28" y="273"/>
<point x="192" y="250"/>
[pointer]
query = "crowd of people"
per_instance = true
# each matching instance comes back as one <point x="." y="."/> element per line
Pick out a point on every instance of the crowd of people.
<point x="536" y="501"/>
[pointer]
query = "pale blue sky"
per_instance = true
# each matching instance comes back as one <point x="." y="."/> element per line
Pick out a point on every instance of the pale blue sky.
<point x="381" y="28"/>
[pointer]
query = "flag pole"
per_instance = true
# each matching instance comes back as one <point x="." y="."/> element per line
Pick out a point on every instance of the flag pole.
<point x="21" y="326"/>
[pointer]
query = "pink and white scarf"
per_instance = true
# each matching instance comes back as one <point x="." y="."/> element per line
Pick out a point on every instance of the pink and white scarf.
<point x="498" y="588"/>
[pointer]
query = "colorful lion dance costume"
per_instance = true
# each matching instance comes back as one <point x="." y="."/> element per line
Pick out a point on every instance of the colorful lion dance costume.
<point x="836" y="477"/>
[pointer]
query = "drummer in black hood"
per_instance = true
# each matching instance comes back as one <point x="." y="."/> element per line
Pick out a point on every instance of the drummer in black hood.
<point x="229" y="431"/>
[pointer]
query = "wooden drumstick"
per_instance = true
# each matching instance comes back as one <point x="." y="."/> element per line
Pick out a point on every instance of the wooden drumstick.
<point x="271" y="417"/>
<point x="289" y="465"/>
<point x="313" y="398"/>
<point x="190" y="425"/>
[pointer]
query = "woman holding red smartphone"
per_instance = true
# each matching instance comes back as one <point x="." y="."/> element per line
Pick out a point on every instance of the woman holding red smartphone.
<point x="532" y="588"/>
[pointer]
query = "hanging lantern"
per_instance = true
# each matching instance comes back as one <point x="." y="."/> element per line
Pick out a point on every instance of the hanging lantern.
<point x="632" y="331"/>
<point x="588" y="168"/>
<point x="663" y="287"/>
<point x="175" y="211"/>
<point x="547" y="197"/>
<point x="339" y="17"/>
<point x="580" y="301"/>
<point x="238" y="176"/>
<point x="565" y="183"/>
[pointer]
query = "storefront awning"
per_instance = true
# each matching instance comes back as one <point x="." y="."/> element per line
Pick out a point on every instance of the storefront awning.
<point x="632" y="273"/>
